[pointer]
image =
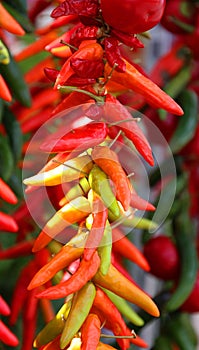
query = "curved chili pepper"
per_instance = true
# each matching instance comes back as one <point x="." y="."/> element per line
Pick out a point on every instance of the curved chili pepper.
<point x="100" y="215"/>
<point x="7" y="223"/>
<point x="127" y="39"/>
<point x="86" y="270"/>
<point x="22" y="248"/>
<point x="81" y="305"/>
<point x="105" y="249"/>
<point x="4" y="91"/>
<point x="6" y="336"/>
<point x="81" y="138"/>
<point x="70" y="170"/>
<point x="80" y="189"/>
<point x="4" y="308"/>
<point x="113" y="54"/>
<point x="123" y="246"/>
<point x="137" y="82"/>
<point x="108" y="161"/>
<point x="120" y="285"/>
<point x="90" y="332"/>
<point x="74" y="211"/>
<point x="72" y="100"/>
<point x="8" y="22"/>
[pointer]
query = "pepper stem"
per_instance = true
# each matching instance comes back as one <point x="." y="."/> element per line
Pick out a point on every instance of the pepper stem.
<point x="133" y="336"/>
<point x="115" y="139"/>
<point x="69" y="45"/>
<point x="69" y="89"/>
<point x="126" y="120"/>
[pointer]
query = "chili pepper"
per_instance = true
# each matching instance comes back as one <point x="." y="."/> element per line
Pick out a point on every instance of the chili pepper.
<point x="103" y="346"/>
<point x="105" y="249"/>
<point x="124" y="308"/>
<point x="47" y="310"/>
<point x="20" y="291"/>
<point x="128" y="39"/>
<point x="99" y="182"/>
<point x="29" y="317"/>
<point x="61" y="51"/>
<point x="140" y="223"/>
<point x="186" y="127"/>
<point x="52" y="329"/>
<point x="6" y="193"/>
<point x="77" y="81"/>
<point x="85" y="68"/>
<point x="88" y="52"/>
<point x="35" y="47"/>
<point x="70" y="213"/>
<point x="36" y="73"/>
<point x="140" y="203"/>
<point x="7" y="223"/>
<point x="70" y="170"/>
<point x="123" y="246"/>
<point x="79" y="7"/>
<point x="90" y="332"/>
<point x="108" y="161"/>
<point x="22" y="248"/>
<point x="137" y="82"/>
<point x="99" y="215"/>
<point x="15" y="80"/>
<point x="78" y="190"/>
<point x="117" y="263"/>
<point x="188" y="256"/>
<point x="72" y="100"/>
<point x="36" y="121"/>
<point x="113" y="54"/>
<point x="4" y="54"/>
<point x="8" y="23"/>
<point x="6" y="336"/>
<point x="120" y="285"/>
<point x="85" y="33"/>
<point x="63" y="258"/>
<point x="81" y="305"/>
<point x="63" y="38"/>
<point x="80" y="138"/>
<point x="4" y="91"/>
<point x="4" y="308"/>
<point x="57" y="23"/>
<point x="86" y="270"/>
<point x="111" y="316"/>
<point x="116" y="112"/>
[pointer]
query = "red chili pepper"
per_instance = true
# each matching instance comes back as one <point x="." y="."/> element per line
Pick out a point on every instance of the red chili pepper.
<point x="63" y="38"/>
<point x="88" y="52"/>
<point x="128" y="39"/>
<point x="6" y="336"/>
<point x="110" y="316"/>
<point x="90" y="332"/>
<point x="57" y="23"/>
<point x="123" y="246"/>
<point x="47" y="310"/>
<point x="72" y="100"/>
<point x="22" y="248"/>
<point x="81" y="138"/>
<point x="36" y="120"/>
<point x="62" y="259"/>
<point x="36" y="73"/>
<point x="113" y="54"/>
<point x="7" y="223"/>
<point x="85" y="33"/>
<point x="115" y="112"/>
<point x="29" y="318"/>
<point x="137" y="82"/>
<point x="4" y="91"/>
<point x="87" y="68"/>
<point x="4" y="308"/>
<point x="86" y="271"/>
<point x="8" y="22"/>
<point x="79" y="7"/>
<point x="107" y="159"/>
<point x="6" y="193"/>
<point x="83" y="82"/>
<point x="100" y="215"/>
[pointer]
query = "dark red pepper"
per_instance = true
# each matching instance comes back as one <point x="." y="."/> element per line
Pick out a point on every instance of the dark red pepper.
<point x="87" y="68"/>
<point x="85" y="33"/>
<point x="113" y="54"/>
<point x="128" y="39"/>
<point x="76" y="7"/>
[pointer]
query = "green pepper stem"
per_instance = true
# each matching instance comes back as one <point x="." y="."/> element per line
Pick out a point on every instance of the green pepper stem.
<point x="69" y="45"/>
<point x="125" y="120"/>
<point x="69" y="89"/>
<point x="133" y="336"/>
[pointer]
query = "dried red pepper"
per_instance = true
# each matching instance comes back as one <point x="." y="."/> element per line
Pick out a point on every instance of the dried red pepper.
<point x="128" y="39"/>
<point x="79" y="7"/>
<point x="113" y="54"/>
<point x="86" y="68"/>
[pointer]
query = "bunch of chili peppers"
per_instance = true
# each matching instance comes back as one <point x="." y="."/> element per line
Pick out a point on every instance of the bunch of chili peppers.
<point x="84" y="65"/>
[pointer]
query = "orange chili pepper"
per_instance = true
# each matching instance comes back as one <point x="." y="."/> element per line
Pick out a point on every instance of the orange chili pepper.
<point x="90" y="52"/>
<point x="85" y="272"/>
<point x="120" y="285"/>
<point x="4" y="91"/>
<point x="90" y="332"/>
<point x="62" y="259"/>
<point x="108" y="161"/>
<point x="136" y="81"/>
<point x="8" y="22"/>
<point x="36" y="73"/>
<point x="72" y="212"/>
<point x="36" y="46"/>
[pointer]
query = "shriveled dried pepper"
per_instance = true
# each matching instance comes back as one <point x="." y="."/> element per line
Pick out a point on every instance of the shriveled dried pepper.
<point x="85" y="68"/>
<point x="113" y="54"/>
<point x="79" y="7"/>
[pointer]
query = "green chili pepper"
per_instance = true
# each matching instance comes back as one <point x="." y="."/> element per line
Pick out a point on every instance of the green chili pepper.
<point x="188" y="122"/>
<point x="124" y="308"/>
<point x="99" y="182"/>
<point x="105" y="248"/>
<point x="14" y="77"/>
<point x="14" y="133"/>
<point x="80" y="189"/>
<point x="53" y="328"/>
<point x="188" y="257"/>
<point x="4" y="54"/>
<point x="6" y="159"/>
<point x="81" y="305"/>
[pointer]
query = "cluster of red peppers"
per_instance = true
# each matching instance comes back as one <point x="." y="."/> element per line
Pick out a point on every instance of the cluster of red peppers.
<point x="88" y="63"/>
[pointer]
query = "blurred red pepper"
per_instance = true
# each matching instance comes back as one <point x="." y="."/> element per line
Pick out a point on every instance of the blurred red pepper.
<point x="113" y="54"/>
